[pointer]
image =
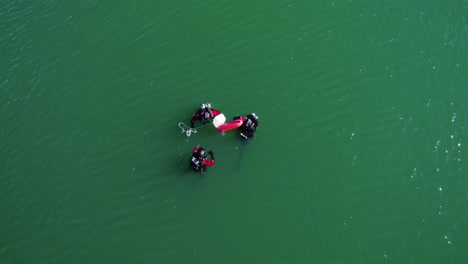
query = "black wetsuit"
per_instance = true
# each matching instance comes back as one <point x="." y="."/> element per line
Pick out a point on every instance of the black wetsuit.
<point x="248" y="127"/>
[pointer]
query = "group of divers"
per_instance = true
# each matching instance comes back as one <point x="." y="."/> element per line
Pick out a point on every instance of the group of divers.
<point x="245" y="126"/>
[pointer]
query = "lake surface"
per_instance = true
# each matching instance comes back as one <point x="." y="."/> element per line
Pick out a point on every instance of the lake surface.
<point x="360" y="154"/>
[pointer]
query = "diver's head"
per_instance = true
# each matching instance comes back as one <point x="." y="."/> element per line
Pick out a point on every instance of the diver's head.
<point x="201" y="154"/>
<point x="254" y="116"/>
<point x="206" y="106"/>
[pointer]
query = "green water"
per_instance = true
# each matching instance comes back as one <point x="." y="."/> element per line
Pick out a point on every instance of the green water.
<point x="360" y="155"/>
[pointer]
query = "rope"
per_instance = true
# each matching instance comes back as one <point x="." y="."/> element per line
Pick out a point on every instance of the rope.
<point x="188" y="130"/>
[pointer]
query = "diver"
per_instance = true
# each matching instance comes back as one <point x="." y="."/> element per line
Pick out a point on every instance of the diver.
<point x="205" y="115"/>
<point x="249" y="126"/>
<point x="199" y="161"/>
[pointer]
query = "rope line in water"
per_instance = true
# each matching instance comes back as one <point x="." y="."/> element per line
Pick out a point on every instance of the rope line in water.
<point x="188" y="130"/>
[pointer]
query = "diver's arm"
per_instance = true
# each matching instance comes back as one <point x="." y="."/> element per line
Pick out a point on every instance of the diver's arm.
<point x="215" y="112"/>
<point x="195" y="117"/>
<point x="210" y="162"/>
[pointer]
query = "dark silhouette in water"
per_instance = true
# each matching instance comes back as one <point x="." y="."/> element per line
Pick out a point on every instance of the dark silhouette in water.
<point x="249" y="125"/>
<point x="238" y="163"/>
<point x="199" y="161"/>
